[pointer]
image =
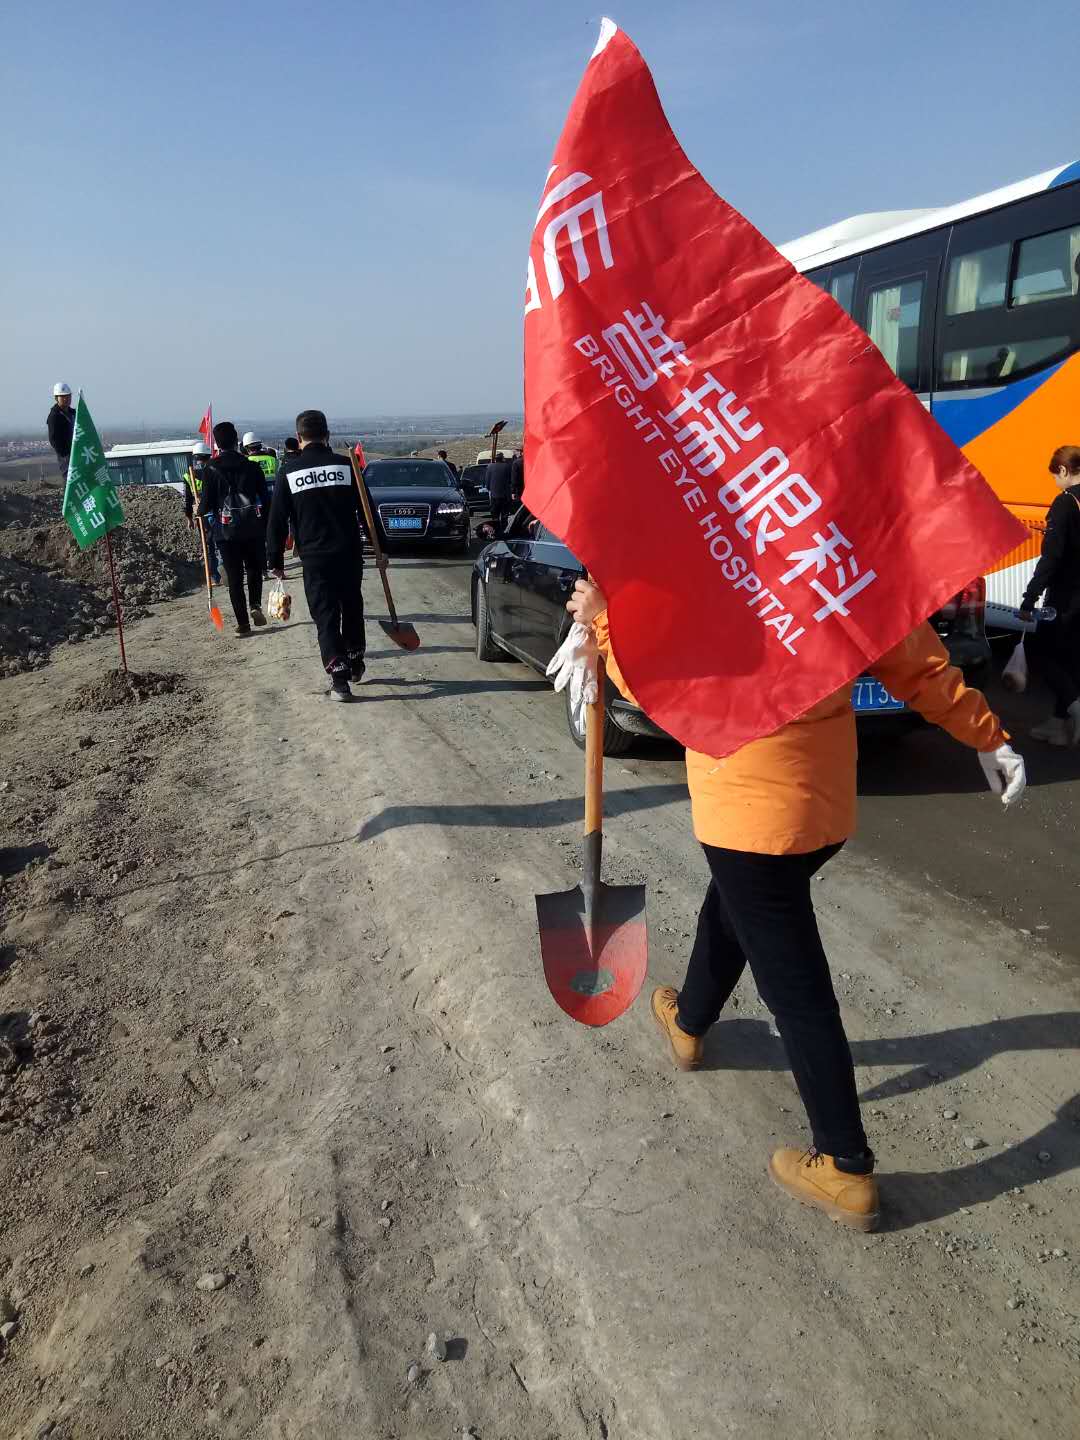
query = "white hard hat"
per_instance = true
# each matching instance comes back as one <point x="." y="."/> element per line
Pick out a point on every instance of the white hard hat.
<point x="199" y="448"/>
<point x="60" y="388"/>
<point x="250" y="438"/>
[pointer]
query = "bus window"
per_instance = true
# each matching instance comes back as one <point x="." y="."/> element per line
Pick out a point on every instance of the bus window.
<point x="991" y="364"/>
<point x="1046" y="267"/>
<point x="978" y="280"/>
<point x="174" y="468"/>
<point x="893" y="311"/>
<point x="842" y="289"/>
<point x="126" y="470"/>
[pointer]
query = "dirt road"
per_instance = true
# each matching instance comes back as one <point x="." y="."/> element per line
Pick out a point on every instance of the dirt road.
<point x="273" y="1015"/>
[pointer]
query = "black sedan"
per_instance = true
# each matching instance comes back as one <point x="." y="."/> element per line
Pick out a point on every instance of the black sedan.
<point x="520" y="585"/>
<point x="418" y="501"/>
<point x="473" y="485"/>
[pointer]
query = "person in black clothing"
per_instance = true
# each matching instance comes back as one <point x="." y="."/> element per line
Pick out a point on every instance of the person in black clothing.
<point x="1055" y="646"/>
<point x="60" y="423"/>
<point x="200" y="459"/>
<point x="449" y="464"/>
<point x="232" y="501"/>
<point x="517" y="477"/>
<point x="499" y="477"/>
<point x="292" y="445"/>
<point x="316" y="495"/>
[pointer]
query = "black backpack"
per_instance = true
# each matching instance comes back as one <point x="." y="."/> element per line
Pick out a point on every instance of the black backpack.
<point x="241" y="518"/>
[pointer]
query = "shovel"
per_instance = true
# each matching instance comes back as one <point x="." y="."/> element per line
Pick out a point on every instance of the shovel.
<point x="215" y="614"/>
<point x="403" y="635"/>
<point x="594" y="939"/>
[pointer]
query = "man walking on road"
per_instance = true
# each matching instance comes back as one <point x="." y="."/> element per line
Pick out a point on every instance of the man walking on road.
<point x="232" y="501"/>
<point x="768" y="817"/>
<point x="499" y="477"/>
<point x="316" y="495"/>
<point x="61" y="425"/>
<point x="193" y="483"/>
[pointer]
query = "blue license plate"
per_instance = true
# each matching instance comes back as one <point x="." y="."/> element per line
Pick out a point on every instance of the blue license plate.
<point x="404" y="522"/>
<point x="871" y="696"/>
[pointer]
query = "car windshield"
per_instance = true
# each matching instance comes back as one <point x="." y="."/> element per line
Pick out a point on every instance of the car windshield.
<point x="474" y="474"/>
<point x="382" y="474"/>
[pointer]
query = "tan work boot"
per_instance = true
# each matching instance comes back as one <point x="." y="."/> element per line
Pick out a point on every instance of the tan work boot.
<point x="685" y="1049"/>
<point x="814" y="1179"/>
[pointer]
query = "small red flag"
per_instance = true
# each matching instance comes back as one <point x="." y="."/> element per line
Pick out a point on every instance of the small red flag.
<point x="206" y="429"/>
<point x="766" y="506"/>
<point x="358" y="451"/>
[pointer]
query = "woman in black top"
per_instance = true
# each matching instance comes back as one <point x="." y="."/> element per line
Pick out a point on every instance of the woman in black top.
<point x="1057" y="642"/>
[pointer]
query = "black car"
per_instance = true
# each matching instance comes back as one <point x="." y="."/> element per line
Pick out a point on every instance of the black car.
<point x="418" y="501"/>
<point x="520" y="586"/>
<point x="473" y="485"/>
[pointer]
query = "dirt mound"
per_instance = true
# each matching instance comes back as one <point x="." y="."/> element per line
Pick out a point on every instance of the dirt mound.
<point x="125" y="687"/>
<point x="51" y="591"/>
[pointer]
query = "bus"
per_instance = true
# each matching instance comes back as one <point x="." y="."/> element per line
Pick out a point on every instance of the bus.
<point x="153" y="462"/>
<point x="975" y="307"/>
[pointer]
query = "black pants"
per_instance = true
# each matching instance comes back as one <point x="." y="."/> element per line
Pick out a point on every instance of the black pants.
<point x="1055" y="648"/>
<point x="336" y="603"/>
<point x="500" y="514"/>
<point x="244" y="558"/>
<point x="758" y="912"/>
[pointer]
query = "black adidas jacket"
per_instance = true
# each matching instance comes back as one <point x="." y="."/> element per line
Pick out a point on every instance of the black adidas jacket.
<point x="226" y="471"/>
<point x="316" y="494"/>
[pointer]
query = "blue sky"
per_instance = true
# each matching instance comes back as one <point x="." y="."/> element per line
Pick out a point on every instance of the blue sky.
<point x="278" y="205"/>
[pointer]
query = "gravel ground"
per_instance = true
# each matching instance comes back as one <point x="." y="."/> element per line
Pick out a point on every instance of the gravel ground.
<point x="50" y="591"/>
<point x="283" y="1094"/>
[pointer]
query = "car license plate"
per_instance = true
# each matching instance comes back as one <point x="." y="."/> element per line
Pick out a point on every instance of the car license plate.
<point x="404" y="522"/>
<point x="871" y="696"/>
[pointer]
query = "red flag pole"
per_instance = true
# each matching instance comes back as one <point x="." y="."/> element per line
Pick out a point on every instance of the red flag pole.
<point x="116" y="601"/>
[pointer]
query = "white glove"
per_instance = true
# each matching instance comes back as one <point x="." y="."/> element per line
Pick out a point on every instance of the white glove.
<point x="574" y="664"/>
<point x="1005" y="774"/>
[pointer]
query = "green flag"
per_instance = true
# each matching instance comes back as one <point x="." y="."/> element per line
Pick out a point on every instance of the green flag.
<point x="91" y="507"/>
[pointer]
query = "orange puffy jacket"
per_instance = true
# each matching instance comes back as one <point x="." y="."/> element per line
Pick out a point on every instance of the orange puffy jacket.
<point x="794" y="791"/>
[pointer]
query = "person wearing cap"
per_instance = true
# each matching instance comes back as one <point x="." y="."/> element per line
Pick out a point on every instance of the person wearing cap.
<point x="60" y="423"/>
<point x="267" y="461"/>
<point x="200" y="458"/>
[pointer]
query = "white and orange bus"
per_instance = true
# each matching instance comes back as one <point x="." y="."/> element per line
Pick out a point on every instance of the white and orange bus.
<point x="976" y="307"/>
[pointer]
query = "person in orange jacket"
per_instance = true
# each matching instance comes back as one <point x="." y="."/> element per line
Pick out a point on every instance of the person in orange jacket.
<point x="769" y="817"/>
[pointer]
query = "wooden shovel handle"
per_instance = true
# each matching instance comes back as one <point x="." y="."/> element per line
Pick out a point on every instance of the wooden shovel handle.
<point x="594" y="757"/>
<point x="369" y="518"/>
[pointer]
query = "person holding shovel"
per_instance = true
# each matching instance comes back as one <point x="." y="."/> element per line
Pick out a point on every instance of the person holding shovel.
<point x="232" y="502"/>
<point x="193" y="483"/>
<point x="768" y="818"/>
<point x="315" y="494"/>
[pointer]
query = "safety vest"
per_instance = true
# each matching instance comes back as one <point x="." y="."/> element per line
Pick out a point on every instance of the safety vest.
<point x="267" y="463"/>
<point x="194" y="480"/>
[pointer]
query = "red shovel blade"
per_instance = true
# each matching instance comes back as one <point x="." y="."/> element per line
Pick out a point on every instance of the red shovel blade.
<point x="596" y="971"/>
<point x="403" y="636"/>
<point x="215" y="618"/>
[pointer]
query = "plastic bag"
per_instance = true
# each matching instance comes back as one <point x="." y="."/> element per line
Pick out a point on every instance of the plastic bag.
<point x="1015" y="675"/>
<point x="279" y="603"/>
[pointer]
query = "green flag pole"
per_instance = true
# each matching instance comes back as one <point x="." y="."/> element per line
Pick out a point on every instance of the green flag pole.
<point x="116" y="601"/>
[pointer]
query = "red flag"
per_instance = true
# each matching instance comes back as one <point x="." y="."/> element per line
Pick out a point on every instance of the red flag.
<point x="206" y="429"/>
<point x="766" y="506"/>
<point x="358" y="451"/>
